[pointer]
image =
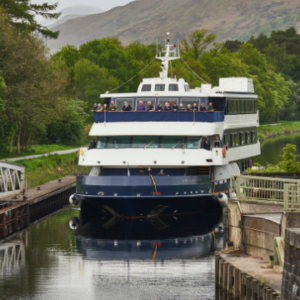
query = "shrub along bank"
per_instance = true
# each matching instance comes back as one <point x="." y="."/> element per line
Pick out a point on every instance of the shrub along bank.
<point x="43" y="169"/>
<point x="281" y="128"/>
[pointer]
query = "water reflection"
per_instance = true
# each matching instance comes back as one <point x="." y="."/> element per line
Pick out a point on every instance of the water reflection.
<point x="112" y="259"/>
<point x="156" y="238"/>
<point x="271" y="150"/>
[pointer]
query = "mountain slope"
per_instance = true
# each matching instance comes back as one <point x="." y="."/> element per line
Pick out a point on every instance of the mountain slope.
<point x="150" y="19"/>
<point x="63" y="20"/>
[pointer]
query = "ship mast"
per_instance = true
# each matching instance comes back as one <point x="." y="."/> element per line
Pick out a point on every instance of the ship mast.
<point x="171" y="53"/>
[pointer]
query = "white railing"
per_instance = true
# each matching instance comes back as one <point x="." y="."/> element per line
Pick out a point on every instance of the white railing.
<point x="292" y="197"/>
<point x="12" y="178"/>
<point x="257" y="188"/>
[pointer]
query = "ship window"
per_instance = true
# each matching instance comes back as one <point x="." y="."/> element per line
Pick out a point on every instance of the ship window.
<point x="237" y="139"/>
<point x="120" y="103"/>
<point x="145" y="102"/>
<point x="162" y="101"/>
<point x="225" y="140"/>
<point x="101" y="142"/>
<point x="253" y="137"/>
<point x="142" y="142"/>
<point x="118" y="142"/>
<point x="170" y="142"/>
<point x="248" y="141"/>
<point x="192" y="101"/>
<point x="242" y="138"/>
<point x="193" y="142"/>
<point x="159" y="87"/>
<point x="231" y="142"/>
<point x="146" y="88"/>
<point x="173" y="87"/>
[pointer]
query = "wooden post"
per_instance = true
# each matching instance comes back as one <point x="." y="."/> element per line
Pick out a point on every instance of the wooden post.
<point x="236" y="283"/>
<point x="27" y="214"/>
<point x="3" y="226"/>
<point x="221" y="262"/>
<point x="260" y="292"/>
<point x="248" y="288"/>
<point x="225" y="267"/>
<point x="242" y="281"/>
<point x="254" y="289"/>
<point x="229" y="279"/>
<point x="274" y="296"/>
<point x="217" y="259"/>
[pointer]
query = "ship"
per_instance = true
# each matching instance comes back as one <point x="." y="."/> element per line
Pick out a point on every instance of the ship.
<point x="166" y="163"/>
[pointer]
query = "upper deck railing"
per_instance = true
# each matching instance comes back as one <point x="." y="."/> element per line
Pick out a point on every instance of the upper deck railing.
<point x="135" y="116"/>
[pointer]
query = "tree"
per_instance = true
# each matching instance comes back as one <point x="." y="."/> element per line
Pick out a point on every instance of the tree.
<point x="197" y="43"/>
<point x="91" y="81"/>
<point x="233" y="46"/>
<point x="2" y="92"/>
<point x="22" y="14"/>
<point x="289" y="163"/>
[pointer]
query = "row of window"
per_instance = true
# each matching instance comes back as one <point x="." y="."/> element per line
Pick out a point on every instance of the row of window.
<point x="241" y="106"/>
<point x="172" y="87"/>
<point x="149" y="142"/>
<point x="240" y="137"/>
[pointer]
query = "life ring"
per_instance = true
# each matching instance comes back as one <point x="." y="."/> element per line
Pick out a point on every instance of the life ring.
<point x="224" y="152"/>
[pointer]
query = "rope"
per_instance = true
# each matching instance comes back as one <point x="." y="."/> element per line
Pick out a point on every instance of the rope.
<point x="133" y="76"/>
<point x="193" y="71"/>
<point x="154" y="184"/>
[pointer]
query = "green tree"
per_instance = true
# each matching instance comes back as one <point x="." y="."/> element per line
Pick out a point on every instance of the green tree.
<point x="197" y="43"/>
<point x="22" y="14"/>
<point x="2" y="92"/>
<point x="91" y="81"/>
<point x="233" y="46"/>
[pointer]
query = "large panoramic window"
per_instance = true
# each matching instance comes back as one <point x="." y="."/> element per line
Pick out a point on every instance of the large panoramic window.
<point x="241" y="106"/>
<point x="147" y="141"/>
<point x="240" y="137"/>
<point x="118" y="142"/>
<point x="172" y="142"/>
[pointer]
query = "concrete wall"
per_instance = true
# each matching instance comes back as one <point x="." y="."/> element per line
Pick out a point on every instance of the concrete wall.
<point x="291" y="271"/>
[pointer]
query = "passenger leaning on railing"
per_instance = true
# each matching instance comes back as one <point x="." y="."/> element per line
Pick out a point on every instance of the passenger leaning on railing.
<point x="141" y="106"/>
<point x="167" y="107"/>
<point x="112" y="106"/>
<point x="210" y="107"/>
<point x="217" y="143"/>
<point x="175" y="107"/>
<point x="202" y="107"/>
<point x="159" y="108"/>
<point x="189" y="107"/>
<point x="181" y="108"/>
<point x="126" y="107"/>
<point x="150" y="108"/>
<point x="99" y="108"/>
<point x="195" y="107"/>
<point x="95" y="107"/>
<point x="105" y="107"/>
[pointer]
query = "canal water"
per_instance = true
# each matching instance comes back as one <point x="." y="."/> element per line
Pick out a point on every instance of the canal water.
<point x="52" y="261"/>
<point x="271" y="150"/>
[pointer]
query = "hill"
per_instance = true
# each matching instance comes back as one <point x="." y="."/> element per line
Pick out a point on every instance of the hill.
<point x="62" y="20"/>
<point x="149" y="19"/>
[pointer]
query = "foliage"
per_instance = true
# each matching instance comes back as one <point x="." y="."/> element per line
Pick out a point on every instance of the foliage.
<point x="69" y="127"/>
<point x="288" y="165"/>
<point x="198" y="42"/>
<point x="22" y="15"/>
<point x="2" y="93"/>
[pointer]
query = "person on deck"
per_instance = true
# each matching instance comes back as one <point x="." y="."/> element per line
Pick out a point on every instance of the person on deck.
<point x="175" y="107"/>
<point x="150" y="107"/>
<point x="99" y="108"/>
<point x="92" y="145"/>
<point x="171" y="104"/>
<point x="217" y="143"/>
<point x="167" y="107"/>
<point x="161" y="173"/>
<point x="195" y="107"/>
<point x="126" y="107"/>
<point x="181" y="108"/>
<point x="159" y="108"/>
<point x="112" y="106"/>
<point x="189" y="108"/>
<point x="105" y="107"/>
<point x="210" y="107"/>
<point x="202" y="107"/>
<point x="206" y="144"/>
<point x="95" y="107"/>
<point x="141" y="106"/>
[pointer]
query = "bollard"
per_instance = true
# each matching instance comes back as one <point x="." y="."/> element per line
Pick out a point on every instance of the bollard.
<point x="248" y="288"/>
<point x="236" y="274"/>
<point x="229" y="279"/>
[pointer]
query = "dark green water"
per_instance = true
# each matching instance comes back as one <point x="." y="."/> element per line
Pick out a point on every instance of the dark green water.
<point x="271" y="150"/>
<point x="50" y="262"/>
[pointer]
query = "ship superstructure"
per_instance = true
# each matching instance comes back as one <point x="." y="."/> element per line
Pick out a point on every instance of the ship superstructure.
<point x="134" y="147"/>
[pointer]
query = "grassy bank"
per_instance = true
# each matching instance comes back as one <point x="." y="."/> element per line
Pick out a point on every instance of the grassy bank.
<point x="282" y="128"/>
<point x="38" y="149"/>
<point x="43" y="169"/>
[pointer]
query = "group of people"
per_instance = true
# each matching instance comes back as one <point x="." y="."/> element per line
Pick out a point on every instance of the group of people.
<point x="169" y="106"/>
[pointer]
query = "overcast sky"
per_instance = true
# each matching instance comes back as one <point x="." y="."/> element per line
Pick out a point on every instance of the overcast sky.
<point x="103" y="4"/>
